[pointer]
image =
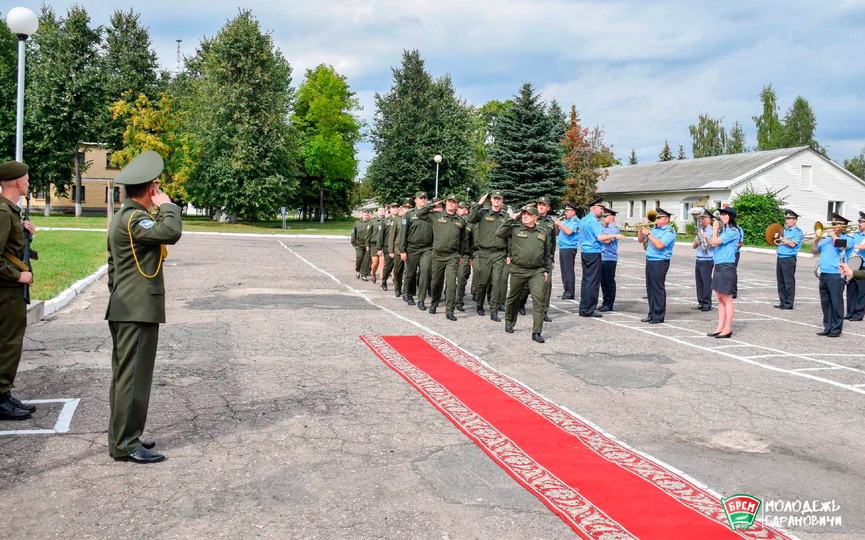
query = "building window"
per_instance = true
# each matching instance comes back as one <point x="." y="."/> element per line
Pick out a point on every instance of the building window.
<point x="630" y="209"/>
<point x="116" y="195"/>
<point x="717" y="205"/>
<point x="642" y="208"/>
<point x="657" y="203"/>
<point x="108" y="164"/>
<point x="686" y="209"/>
<point x="835" y="207"/>
<point x="806" y="178"/>
<point x="39" y="194"/>
<point x="83" y="194"/>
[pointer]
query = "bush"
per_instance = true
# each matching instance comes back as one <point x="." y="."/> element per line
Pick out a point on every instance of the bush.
<point x="691" y="229"/>
<point x="756" y="211"/>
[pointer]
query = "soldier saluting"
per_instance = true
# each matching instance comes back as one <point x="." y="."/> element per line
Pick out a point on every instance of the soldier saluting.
<point x="136" y="306"/>
<point x="15" y="275"/>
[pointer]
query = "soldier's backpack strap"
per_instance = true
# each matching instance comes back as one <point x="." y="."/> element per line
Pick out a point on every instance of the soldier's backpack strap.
<point x="163" y="251"/>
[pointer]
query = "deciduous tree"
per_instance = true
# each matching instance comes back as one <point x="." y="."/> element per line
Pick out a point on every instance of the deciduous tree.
<point x="736" y="143"/>
<point x="586" y="159"/>
<point x="770" y="131"/>
<point x="856" y="165"/>
<point x="708" y="137"/>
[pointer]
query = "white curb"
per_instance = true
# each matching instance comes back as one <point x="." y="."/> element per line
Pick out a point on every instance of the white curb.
<point x="61" y="300"/>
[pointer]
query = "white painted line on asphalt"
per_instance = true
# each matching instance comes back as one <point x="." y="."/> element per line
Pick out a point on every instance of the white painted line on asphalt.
<point x="215" y="233"/>
<point x="64" y="419"/>
<point x="731" y="346"/>
<point x="771" y="317"/>
<point x="818" y="369"/>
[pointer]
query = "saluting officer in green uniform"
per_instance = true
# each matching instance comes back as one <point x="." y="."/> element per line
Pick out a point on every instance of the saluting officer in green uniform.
<point x="448" y="249"/>
<point x="360" y="241"/>
<point x="548" y="222"/>
<point x="395" y="249"/>
<point x="14" y="275"/>
<point x="490" y="252"/>
<point x="387" y="225"/>
<point x="465" y="268"/>
<point x="136" y="306"/>
<point x="530" y="253"/>
<point x="416" y="244"/>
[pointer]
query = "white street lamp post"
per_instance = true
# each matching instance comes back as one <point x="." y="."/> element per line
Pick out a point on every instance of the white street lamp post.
<point x="438" y="159"/>
<point x="23" y="23"/>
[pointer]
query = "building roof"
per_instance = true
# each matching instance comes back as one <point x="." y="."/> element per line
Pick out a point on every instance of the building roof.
<point x="701" y="174"/>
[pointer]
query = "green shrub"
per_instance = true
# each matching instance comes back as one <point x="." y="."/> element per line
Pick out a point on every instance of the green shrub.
<point x="756" y="211"/>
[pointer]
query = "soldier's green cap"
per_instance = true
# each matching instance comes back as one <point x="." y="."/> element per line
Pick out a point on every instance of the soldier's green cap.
<point x="406" y="203"/>
<point x="529" y="209"/>
<point x="13" y="170"/>
<point x="420" y="195"/>
<point x="451" y="197"/>
<point x="498" y="194"/>
<point x="393" y="204"/>
<point x="146" y="167"/>
<point x="463" y="205"/>
<point x="544" y="200"/>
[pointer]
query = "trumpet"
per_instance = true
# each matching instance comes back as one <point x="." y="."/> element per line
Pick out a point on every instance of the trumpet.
<point x="775" y="234"/>
<point x="651" y="217"/>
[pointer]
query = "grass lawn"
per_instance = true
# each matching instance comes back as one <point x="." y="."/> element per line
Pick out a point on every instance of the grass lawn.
<point x="64" y="258"/>
<point x="205" y="224"/>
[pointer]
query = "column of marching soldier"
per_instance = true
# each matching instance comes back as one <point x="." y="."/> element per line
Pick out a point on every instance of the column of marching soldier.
<point x="432" y="248"/>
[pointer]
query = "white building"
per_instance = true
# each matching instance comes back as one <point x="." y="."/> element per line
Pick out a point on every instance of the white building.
<point x="812" y="185"/>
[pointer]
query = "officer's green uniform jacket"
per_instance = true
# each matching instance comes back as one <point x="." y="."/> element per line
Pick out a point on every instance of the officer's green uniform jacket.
<point x="548" y="222"/>
<point x="375" y="229"/>
<point x="488" y="222"/>
<point x="393" y="234"/>
<point x="416" y="233"/>
<point x="529" y="247"/>
<point x="449" y="231"/>
<point x="135" y="297"/>
<point x="360" y="233"/>
<point x="386" y="225"/>
<point x="12" y="242"/>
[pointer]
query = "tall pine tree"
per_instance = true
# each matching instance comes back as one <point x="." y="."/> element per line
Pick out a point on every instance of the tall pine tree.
<point x="632" y="159"/>
<point x="770" y="131"/>
<point x="666" y="154"/>
<point x="681" y="154"/>
<point x="528" y="158"/>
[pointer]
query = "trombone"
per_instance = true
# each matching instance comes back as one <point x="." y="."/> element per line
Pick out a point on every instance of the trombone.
<point x="651" y="217"/>
<point x="775" y="234"/>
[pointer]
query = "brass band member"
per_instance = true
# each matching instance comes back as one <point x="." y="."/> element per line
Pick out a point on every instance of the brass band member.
<point x="856" y="289"/>
<point x="659" y="250"/>
<point x="832" y="251"/>
<point x="726" y="244"/>
<point x="704" y="263"/>
<point x="785" y="267"/>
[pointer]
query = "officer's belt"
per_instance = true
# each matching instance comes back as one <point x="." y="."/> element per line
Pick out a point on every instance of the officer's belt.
<point x="16" y="262"/>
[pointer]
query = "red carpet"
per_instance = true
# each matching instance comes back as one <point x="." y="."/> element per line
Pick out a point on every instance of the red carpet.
<point x="599" y="487"/>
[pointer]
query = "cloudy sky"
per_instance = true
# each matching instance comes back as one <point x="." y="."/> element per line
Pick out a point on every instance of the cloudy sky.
<point x="643" y="70"/>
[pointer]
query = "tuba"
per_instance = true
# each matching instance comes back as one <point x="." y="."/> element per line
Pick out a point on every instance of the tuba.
<point x="704" y="243"/>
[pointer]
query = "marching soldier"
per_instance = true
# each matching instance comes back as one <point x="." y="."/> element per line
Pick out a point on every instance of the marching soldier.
<point x="568" y="240"/>
<point x="466" y="263"/>
<point x="489" y="252"/>
<point x="855" y="288"/>
<point x="832" y="251"/>
<point x="785" y="266"/>
<point x="136" y="305"/>
<point x="547" y="222"/>
<point x="15" y="274"/>
<point x="376" y="225"/>
<point x="704" y="263"/>
<point x="395" y="248"/>
<point x="448" y="250"/>
<point x="384" y="245"/>
<point x="590" y="229"/>
<point x="610" y="236"/>
<point x="530" y="253"/>
<point x="360" y="240"/>
<point x="416" y="247"/>
<point x="660" y="241"/>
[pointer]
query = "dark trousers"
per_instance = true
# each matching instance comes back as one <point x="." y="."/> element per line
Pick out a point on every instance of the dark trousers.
<point x="132" y="360"/>
<point x="656" y="288"/>
<point x="491" y="277"/>
<point x="591" y="283"/>
<point x="608" y="283"/>
<point x="785" y="275"/>
<point x="13" y="324"/>
<point x="548" y="292"/>
<point x="444" y="279"/>
<point x="463" y="274"/>
<point x="398" y="267"/>
<point x="416" y="275"/>
<point x="703" y="275"/>
<point x="388" y="268"/>
<point x="832" y="302"/>
<point x="533" y="278"/>
<point x="856" y="298"/>
<point x="567" y="259"/>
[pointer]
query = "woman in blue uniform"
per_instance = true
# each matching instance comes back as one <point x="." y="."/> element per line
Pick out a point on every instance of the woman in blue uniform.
<point x="726" y="242"/>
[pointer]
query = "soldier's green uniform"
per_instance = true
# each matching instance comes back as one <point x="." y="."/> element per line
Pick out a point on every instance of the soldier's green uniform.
<point x="548" y="222"/>
<point x="394" y="246"/>
<point x="360" y="241"/>
<point x="13" y="305"/>
<point x="530" y="253"/>
<point x="449" y="246"/>
<point x="136" y="306"/>
<point x="465" y="268"/>
<point x="387" y="225"/>
<point x="490" y="254"/>
<point x="416" y="243"/>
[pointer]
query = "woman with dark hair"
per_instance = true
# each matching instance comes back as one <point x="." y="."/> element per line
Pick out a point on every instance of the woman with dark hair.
<point x="725" y="242"/>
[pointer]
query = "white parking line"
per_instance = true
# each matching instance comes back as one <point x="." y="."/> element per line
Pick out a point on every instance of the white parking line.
<point x="64" y="419"/>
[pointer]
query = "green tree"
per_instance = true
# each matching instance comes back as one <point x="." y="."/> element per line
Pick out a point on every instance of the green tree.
<point x="736" y="143"/>
<point x="586" y="159"/>
<point x="418" y="118"/>
<point x="239" y="98"/>
<point x="558" y="120"/>
<point x="800" y="123"/>
<point x="528" y="158"/>
<point x="856" y="165"/>
<point x="324" y="115"/>
<point x="666" y="154"/>
<point x="770" y="130"/>
<point x="131" y="66"/>
<point x="708" y="137"/>
<point x="681" y="155"/>
<point x="483" y="140"/>
<point x="65" y="97"/>
<point x="632" y="159"/>
<point x="8" y="89"/>
<point x="757" y="211"/>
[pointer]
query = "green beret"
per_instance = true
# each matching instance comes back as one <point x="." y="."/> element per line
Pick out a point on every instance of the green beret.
<point x="146" y="167"/>
<point x="13" y="170"/>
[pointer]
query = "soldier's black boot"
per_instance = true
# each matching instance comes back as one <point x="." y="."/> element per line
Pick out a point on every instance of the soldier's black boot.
<point x="481" y="312"/>
<point x="432" y="310"/>
<point x="460" y="307"/>
<point x="450" y="315"/>
<point x="521" y="310"/>
<point x="8" y="411"/>
<point x="384" y="285"/>
<point x="494" y="316"/>
<point x="502" y="308"/>
<point x="408" y="300"/>
<point x="547" y="317"/>
<point x="537" y="337"/>
<point x="421" y="306"/>
<point x="509" y="329"/>
<point x="17" y="402"/>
